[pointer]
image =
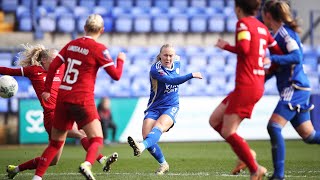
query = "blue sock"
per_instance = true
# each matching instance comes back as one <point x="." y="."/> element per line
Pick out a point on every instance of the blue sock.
<point x="156" y="152"/>
<point x="153" y="137"/>
<point x="278" y="149"/>
<point x="314" y="138"/>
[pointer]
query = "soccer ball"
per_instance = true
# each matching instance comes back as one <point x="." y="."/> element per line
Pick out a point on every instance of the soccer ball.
<point x="8" y="86"/>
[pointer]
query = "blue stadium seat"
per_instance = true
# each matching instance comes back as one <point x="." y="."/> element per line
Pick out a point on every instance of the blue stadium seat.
<point x="4" y="105"/>
<point x="47" y="23"/>
<point x="270" y="87"/>
<point x="25" y="23"/>
<point x="9" y="5"/>
<point x="180" y="3"/>
<point x="125" y="3"/>
<point x="66" y="23"/>
<point x="81" y="21"/>
<point x="62" y="10"/>
<point x="165" y="4"/>
<point x="161" y="23"/>
<point x="231" y="22"/>
<point x="26" y="3"/>
<point x="230" y="3"/>
<point x="106" y="3"/>
<point x="108" y="24"/>
<point x="49" y="3"/>
<point x="198" y="3"/>
<point x="69" y="3"/>
<point x="310" y="62"/>
<point x="140" y="86"/>
<point x="143" y="3"/>
<point x="123" y="23"/>
<point x="142" y="23"/>
<point x="81" y="11"/>
<point x="180" y="23"/>
<point x="216" y="23"/>
<point x="198" y="23"/>
<point x="24" y="85"/>
<point x="216" y="4"/>
<point x="87" y="3"/>
<point x="103" y="11"/>
<point x="5" y="59"/>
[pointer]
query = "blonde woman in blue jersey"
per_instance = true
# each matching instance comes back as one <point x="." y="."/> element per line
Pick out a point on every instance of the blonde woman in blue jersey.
<point x="163" y="104"/>
<point x="293" y="84"/>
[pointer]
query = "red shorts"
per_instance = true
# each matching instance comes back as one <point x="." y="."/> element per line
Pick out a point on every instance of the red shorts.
<point x="242" y="100"/>
<point x="67" y="113"/>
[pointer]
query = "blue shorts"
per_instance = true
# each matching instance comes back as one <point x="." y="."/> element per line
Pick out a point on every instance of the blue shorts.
<point x="294" y="106"/>
<point x="155" y="113"/>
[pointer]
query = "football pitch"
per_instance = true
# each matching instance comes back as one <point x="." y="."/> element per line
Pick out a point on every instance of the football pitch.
<point x="191" y="160"/>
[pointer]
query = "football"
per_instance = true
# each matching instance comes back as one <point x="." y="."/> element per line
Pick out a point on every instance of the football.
<point x="8" y="86"/>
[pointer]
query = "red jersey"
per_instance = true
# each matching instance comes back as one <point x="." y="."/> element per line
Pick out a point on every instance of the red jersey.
<point x="252" y="39"/>
<point x="37" y="76"/>
<point x="82" y="58"/>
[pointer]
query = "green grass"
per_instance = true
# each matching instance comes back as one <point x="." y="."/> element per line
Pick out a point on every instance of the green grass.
<point x="198" y="160"/>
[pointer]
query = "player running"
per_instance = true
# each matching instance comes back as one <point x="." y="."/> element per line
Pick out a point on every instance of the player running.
<point x="34" y="62"/>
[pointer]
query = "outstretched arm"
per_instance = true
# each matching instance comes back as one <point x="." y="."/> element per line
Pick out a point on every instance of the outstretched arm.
<point x="11" y="71"/>
<point x="163" y="77"/>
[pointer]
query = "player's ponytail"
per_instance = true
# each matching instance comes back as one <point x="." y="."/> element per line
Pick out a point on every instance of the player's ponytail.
<point x="33" y="55"/>
<point x="281" y="12"/>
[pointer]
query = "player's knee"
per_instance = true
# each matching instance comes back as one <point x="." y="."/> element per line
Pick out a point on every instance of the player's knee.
<point x="311" y="138"/>
<point x="274" y="128"/>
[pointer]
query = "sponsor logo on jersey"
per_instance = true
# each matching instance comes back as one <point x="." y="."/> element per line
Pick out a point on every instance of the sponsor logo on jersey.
<point x="161" y="72"/>
<point x="106" y="54"/>
<point x="171" y="88"/>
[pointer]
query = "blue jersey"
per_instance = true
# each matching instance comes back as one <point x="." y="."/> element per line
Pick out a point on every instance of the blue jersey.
<point x="164" y="85"/>
<point x="290" y="70"/>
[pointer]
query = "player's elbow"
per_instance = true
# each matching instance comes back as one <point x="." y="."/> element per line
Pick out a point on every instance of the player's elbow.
<point x="116" y="77"/>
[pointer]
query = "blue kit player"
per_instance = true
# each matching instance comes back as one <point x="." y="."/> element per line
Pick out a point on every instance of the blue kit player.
<point x="293" y="84"/>
<point x="163" y="104"/>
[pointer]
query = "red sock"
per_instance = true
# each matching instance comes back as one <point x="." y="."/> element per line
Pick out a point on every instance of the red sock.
<point x="31" y="164"/>
<point x="95" y="144"/>
<point x="242" y="149"/>
<point x="85" y="144"/>
<point x="47" y="156"/>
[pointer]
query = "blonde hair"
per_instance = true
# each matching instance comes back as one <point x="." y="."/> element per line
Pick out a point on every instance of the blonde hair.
<point x="32" y="55"/>
<point x="280" y="11"/>
<point x="158" y="58"/>
<point x="94" y="23"/>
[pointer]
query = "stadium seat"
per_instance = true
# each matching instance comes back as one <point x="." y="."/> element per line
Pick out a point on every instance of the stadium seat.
<point x="69" y="3"/>
<point x="230" y="3"/>
<point x="231" y="22"/>
<point x="165" y="4"/>
<point x="4" y="103"/>
<point x="81" y="11"/>
<point x="198" y="23"/>
<point x="198" y="3"/>
<point x="219" y="4"/>
<point x="198" y="60"/>
<point x="47" y="23"/>
<point x="140" y="86"/>
<point x="143" y="3"/>
<point x="123" y="23"/>
<point x="108" y="24"/>
<point x="5" y="59"/>
<point x="9" y="5"/>
<point x="180" y="3"/>
<point x="270" y="87"/>
<point x="90" y="4"/>
<point x="142" y="23"/>
<point x="26" y="3"/>
<point x="180" y="23"/>
<point x="216" y="23"/>
<point x="103" y="11"/>
<point x="161" y="23"/>
<point x="25" y="23"/>
<point x="24" y="84"/>
<point x="49" y="3"/>
<point x="106" y="3"/>
<point x="66" y="23"/>
<point x="125" y="3"/>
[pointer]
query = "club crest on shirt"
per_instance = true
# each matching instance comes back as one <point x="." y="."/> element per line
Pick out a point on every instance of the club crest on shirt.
<point x="106" y="54"/>
<point x="161" y="72"/>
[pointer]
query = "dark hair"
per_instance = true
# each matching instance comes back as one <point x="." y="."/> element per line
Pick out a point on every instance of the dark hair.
<point x="249" y="7"/>
<point x="280" y="11"/>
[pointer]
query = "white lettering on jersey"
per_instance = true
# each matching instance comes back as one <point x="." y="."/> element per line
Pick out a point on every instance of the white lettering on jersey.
<point x="171" y="88"/>
<point x="260" y="72"/>
<point x="78" y="49"/>
<point x="242" y="27"/>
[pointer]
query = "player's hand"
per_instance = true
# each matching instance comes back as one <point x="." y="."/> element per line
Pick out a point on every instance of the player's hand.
<point x="266" y="61"/>
<point x="197" y="75"/>
<point x="221" y="43"/>
<point x="45" y="96"/>
<point x="122" y="56"/>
